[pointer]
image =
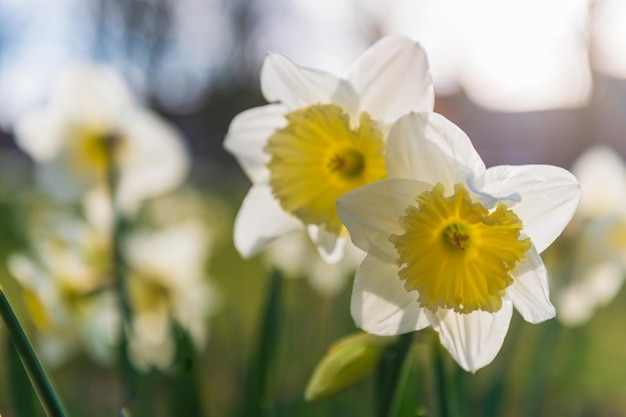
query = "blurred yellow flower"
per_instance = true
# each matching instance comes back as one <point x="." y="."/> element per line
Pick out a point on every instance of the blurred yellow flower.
<point x="72" y="299"/>
<point x="168" y="282"/>
<point x="68" y="291"/>
<point x="91" y="120"/>
<point x="588" y="265"/>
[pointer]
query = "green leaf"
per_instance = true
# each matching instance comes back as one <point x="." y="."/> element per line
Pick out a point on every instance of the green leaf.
<point x="256" y="401"/>
<point x="185" y="398"/>
<point x="22" y="393"/>
<point x="38" y="378"/>
<point x="409" y="398"/>
<point x="388" y="374"/>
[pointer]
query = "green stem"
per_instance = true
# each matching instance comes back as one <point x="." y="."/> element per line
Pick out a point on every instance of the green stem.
<point x="496" y="395"/>
<point x="118" y="270"/>
<point x="256" y="402"/>
<point x="38" y="378"/>
<point x="23" y="395"/>
<point x="440" y="385"/>
<point x="389" y="372"/>
<point x="540" y="367"/>
<point x="444" y="385"/>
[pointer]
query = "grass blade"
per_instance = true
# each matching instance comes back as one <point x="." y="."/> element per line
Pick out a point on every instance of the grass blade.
<point x="255" y="403"/>
<point x="38" y="378"/>
<point x="388" y="374"/>
<point x="23" y="395"/>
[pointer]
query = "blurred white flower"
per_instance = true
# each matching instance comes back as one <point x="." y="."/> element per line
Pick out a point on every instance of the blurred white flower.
<point x="452" y="244"/>
<point x="91" y="119"/>
<point x="322" y="137"/>
<point x="68" y="293"/>
<point x="167" y="282"/>
<point x="588" y="265"/>
<point x="296" y="257"/>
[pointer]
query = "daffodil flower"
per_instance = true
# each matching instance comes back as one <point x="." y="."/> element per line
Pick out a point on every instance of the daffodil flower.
<point x="67" y="290"/>
<point x="167" y="282"/>
<point x="296" y="257"/>
<point x="452" y="244"/>
<point x="321" y="137"/>
<point x="90" y="117"/>
<point x="588" y="266"/>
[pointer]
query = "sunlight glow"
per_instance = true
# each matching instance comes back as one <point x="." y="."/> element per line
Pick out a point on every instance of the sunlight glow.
<point x="515" y="55"/>
<point x="608" y="38"/>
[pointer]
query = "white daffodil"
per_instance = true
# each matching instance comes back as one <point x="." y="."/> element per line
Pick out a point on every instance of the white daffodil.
<point x="91" y="120"/>
<point x="296" y="257"/>
<point x="588" y="266"/>
<point x="321" y="137"/>
<point x="68" y="292"/>
<point x="451" y="244"/>
<point x="167" y="282"/>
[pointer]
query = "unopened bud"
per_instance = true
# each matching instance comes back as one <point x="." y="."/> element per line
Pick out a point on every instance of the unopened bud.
<point x="348" y="361"/>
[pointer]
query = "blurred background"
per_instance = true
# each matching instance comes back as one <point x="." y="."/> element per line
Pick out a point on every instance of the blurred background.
<point x="530" y="81"/>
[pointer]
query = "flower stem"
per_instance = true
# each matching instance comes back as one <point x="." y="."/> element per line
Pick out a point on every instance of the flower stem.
<point x="38" y="378"/>
<point x="119" y="270"/>
<point x="445" y="388"/>
<point x="256" y="402"/>
<point x="389" y="372"/>
<point x="538" y="376"/>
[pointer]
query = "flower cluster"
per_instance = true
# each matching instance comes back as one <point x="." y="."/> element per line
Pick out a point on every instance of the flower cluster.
<point x="91" y="126"/>
<point x="588" y="263"/>
<point x="450" y="243"/>
<point x="106" y="162"/>
<point x="70" y="292"/>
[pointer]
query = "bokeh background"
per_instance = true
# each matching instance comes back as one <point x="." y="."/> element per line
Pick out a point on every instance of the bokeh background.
<point x="530" y="81"/>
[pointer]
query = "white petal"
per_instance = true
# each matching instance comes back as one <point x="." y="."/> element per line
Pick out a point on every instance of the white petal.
<point x="295" y="86"/>
<point x="530" y="292"/>
<point x="393" y="78"/>
<point x="380" y="304"/>
<point x="154" y="160"/>
<point x="601" y="171"/>
<point x="371" y="214"/>
<point x="54" y="177"/>
<point x="549" y="196"/>
<point x="41" y="133"/>
<point x="472" y="339"/>
<point x="92" y="94"/>
<point x="247" y="135"/>
<point x="428" y="147"/>
<point x="329" y="245"/>
<point x="260" y="221"/>
<point x="598" y="287"/>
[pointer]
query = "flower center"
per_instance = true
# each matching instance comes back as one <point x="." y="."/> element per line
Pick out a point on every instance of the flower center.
<point x="318" y="157"/>
<point x="456" y="253"/>
<point x="148" y="292"/>
<point x="617" y="236"/>
<point x="38" y="312"/>
<point x="92" y="148"/>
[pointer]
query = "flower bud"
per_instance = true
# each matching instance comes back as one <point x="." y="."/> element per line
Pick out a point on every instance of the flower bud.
<point x="347" y="361"/>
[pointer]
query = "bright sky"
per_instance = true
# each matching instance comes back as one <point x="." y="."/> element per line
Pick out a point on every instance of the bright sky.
<point x="507" y="55"/>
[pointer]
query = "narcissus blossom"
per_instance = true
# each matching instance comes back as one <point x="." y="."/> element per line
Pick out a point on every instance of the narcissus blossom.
<point x="588" y="264"/>
<point x="68" y="290"/>
<point x="452" y="244"/>
<point x="91" y="120"/>
<point x="168" y="283"/>
<point x="296" y="257"/>
<point x="321" y="137"/>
